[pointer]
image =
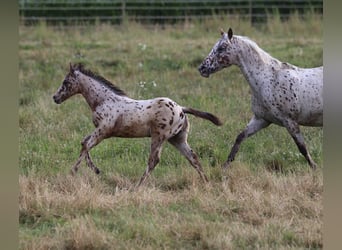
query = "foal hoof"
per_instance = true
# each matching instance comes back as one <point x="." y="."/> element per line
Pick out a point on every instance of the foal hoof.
<point x="97" y="171"/>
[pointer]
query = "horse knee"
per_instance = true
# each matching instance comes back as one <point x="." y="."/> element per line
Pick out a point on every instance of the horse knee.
<point x="84" y="141"/>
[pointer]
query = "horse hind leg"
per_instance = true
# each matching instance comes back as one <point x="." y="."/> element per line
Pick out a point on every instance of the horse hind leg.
<point x="294" y="130"/>
<point x="74" y="168"/>
<point x="91" y="164"/>
<point x="154" y="158"/>
<point x="180" y="142"/>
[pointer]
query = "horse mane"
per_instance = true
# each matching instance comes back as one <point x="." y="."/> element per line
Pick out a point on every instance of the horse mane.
<point x="101" y="79"/>
<point x="264" y="56"/>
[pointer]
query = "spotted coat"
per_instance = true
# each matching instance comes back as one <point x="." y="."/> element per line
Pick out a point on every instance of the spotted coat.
<point x="116" y="115"/>
<point x="282" y="93"/>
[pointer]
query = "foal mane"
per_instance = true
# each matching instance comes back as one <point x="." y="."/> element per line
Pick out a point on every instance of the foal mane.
<point x="100" y="79"/>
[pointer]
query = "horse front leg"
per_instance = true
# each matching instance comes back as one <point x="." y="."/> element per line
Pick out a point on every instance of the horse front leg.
<point x="294" y="130"/>
<point x="253" y="127"/>
<point x="88" y="143"/>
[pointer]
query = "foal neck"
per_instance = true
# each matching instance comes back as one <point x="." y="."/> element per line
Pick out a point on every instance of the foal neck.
<point x="95" y="91"/>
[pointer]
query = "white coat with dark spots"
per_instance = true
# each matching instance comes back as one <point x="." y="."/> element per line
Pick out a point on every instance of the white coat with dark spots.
<point x="282" y="93"/>
<point x="117" y="115"/>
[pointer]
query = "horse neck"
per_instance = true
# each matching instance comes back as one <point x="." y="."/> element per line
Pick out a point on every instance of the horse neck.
<point x="254" y="62"/>
<point x="94" y="92"/>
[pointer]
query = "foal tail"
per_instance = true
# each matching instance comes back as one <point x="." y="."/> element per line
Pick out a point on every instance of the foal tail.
<point x="205" y="115"/>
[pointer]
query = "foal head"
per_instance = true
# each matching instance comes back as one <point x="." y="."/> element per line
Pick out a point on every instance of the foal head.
<point x="69" y="87"/>
<point x="222" y="55"/>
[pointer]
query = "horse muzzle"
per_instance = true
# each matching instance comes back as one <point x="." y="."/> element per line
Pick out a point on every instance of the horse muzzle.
<point x="57" y="100"/>
<point x="203" y="71"/>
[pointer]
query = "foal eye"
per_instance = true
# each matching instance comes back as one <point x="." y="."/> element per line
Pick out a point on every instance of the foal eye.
<point x="66" y="84"/>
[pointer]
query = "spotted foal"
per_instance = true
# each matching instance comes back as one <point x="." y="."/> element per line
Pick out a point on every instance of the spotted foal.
<point x="117" y="115"/>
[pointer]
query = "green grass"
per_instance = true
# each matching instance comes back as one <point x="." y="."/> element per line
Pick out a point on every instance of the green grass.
<point x="268" y="199"/>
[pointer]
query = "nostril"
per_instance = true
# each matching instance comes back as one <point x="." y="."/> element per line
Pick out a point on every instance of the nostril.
<point x="55" y="99"/>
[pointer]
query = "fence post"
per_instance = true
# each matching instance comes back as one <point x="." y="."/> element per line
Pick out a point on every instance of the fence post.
<point x="250" y="12"/>
<point x="123" y="11"/>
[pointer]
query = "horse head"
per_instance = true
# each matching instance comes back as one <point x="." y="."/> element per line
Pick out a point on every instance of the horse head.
<point x="222" y="55"/>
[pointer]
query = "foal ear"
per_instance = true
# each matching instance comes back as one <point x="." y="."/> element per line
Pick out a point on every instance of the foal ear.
<point x="230" y="33"/>
<point x="71" y="68"/>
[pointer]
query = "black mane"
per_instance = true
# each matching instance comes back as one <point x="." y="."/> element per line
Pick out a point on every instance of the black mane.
<point x="99" y="78"/>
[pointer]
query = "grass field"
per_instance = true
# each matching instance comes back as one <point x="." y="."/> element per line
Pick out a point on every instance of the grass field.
<point x="269" y="199"/>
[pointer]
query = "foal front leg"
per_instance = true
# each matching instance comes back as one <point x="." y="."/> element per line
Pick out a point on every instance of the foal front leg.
<point x="88" y="143"/>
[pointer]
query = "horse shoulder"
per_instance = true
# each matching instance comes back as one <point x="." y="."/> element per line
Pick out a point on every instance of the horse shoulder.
<point x="104" y="115"/>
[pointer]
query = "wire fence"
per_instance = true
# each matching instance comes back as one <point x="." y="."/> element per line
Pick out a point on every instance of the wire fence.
<point x="153" y="11"/>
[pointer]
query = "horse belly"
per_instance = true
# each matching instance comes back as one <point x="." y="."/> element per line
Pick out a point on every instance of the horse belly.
<point x="311" y="117"/>
<point x="133" y="132"/>
<point x="312" y="120"/>
<point x="129" y="127"/>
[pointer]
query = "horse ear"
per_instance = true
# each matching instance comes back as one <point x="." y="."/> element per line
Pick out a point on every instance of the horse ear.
<point x="71" y="67"/>
<point x="230" y="33"/>
<point x="222" y="32"/>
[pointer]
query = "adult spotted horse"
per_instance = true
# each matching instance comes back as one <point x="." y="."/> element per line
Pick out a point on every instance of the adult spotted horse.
<point x="117" y="115"/>
<point x="282" y="93"/>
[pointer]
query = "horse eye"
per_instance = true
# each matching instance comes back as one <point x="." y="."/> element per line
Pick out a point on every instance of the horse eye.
<point x="221" y="49"/>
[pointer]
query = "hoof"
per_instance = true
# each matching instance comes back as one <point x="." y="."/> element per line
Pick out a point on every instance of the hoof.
<point x="97" y="171"/>
<point x="225" y="166"/>
<point x="313" y="167"/>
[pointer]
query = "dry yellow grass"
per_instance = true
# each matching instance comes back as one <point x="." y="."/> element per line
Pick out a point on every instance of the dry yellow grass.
<point x="262" y="210"/>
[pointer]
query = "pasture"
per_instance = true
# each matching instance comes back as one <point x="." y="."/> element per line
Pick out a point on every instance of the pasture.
<point x="268" y="199"/>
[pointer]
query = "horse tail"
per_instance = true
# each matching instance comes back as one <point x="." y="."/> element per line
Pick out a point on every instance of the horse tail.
<point x="205" y="115"/>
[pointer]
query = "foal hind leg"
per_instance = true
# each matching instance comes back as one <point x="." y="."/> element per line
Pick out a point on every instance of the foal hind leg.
<point x="154" y="158"/>
<point x="293" y="128"/>
<point x="253" y="127"/>
<point x="180" y="142"/>
<point x="91" y="165"/>
<point x="74" y="168"/>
